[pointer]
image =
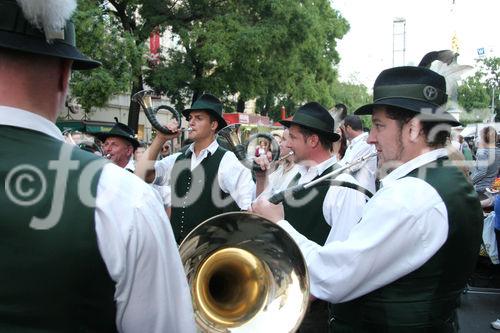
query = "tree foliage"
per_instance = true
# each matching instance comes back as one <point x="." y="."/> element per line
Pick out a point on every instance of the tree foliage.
<point x="475" y="92"/>
<point x="100" y="37"/>
<point x="280" y="52"/>
<point x="272" y="50"/>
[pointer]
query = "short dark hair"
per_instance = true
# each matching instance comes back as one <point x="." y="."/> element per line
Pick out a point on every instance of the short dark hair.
<point x="342" y="107"/>
<point x="307" y="132"/>
<point x="436" y="133"/>
<point x="354" y="122"/>
<point x="489" y="135"/>
<point x="213" y="118"/>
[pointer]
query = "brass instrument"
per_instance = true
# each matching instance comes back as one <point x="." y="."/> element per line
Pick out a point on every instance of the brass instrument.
<point x="326" y="179"/>
<point x="84" y="141"/>
<point x="246" y="275"/>
<point x="143" y="98"/>
<point x="244" y="139"/>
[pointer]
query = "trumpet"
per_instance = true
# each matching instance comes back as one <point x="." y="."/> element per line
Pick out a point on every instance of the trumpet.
<point x="328" y="178"/>
<point x="143" y="98"/>
<point x="290" y="153"/>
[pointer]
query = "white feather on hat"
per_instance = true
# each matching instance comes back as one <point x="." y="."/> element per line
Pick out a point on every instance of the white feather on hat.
<point x="48" y="15"/>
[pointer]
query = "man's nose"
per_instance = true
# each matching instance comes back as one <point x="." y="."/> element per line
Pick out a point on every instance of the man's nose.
<point x="371" y="137"/>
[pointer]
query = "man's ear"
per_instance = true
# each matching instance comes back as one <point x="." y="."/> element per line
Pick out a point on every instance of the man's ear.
<point x="65" y="74"/>
<point x="213" y="125"/>
<point x="130" y="151"/>
<point x="313" y="140"/>
<point x="414" y="127"/>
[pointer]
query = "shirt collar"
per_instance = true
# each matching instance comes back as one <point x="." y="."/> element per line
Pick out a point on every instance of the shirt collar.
<point x="319" y="168"/>
<point x="413" y="164"/>
<point x="362" y="137"/>
<point x="211" y="148"/>
<point x="24" y="119"/>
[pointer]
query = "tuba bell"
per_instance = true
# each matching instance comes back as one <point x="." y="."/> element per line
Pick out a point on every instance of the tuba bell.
<point x="246" y="275"/>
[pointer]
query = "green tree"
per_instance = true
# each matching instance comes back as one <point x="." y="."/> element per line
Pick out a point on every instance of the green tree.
<point x="266" y="49"/>
<point x="99" y="37"/>
<point x="272" y="50"/>
<point x="476" y="92"/>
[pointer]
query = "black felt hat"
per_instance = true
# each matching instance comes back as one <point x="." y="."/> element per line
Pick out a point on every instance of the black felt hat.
<point x="416" y="89"/>
<point x="210" y="104"/>
<point x="120" y="130"/>
<point x="316" y="118"/>
<point x="17" y="33"/>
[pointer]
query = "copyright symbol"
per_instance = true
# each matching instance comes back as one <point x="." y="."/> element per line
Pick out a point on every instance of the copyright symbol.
<point x="25" y="185"/>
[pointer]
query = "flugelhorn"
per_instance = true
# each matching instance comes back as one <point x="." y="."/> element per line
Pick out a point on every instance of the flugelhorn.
<point x="143" y="97"/>
<point x="246" y="274"/>
<point x="244" y="139"/>
<point x="326" y="179"/>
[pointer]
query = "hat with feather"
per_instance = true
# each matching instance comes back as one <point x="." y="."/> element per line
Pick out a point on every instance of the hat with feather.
<point x="42" y="27"/>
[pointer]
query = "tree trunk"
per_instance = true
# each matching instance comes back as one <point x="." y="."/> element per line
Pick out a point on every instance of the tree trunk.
<point x="134" y="108"/>
<point x="240" y="106"/>
<point x="267" y="105"/>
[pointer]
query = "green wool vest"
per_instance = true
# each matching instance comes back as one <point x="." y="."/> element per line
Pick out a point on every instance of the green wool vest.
<point x="305" y="211"/>
<point x="52" y="278"/>
<point x="425" y="300"/>
<point x="196" y="195"/>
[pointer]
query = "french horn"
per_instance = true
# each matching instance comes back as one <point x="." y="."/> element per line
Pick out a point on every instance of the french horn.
<point x="246" y="274"/>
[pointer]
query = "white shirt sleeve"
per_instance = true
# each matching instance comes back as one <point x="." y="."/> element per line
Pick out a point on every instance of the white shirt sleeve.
<point x="399" y="232"/>
<point x="342" y="209"/>
<point x="236" y="179"/>
<point x="163" y="169"/>
<point x="137" y="245"/>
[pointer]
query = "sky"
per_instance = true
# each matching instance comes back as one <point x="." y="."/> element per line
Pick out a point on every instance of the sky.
<point x="367" y="48"/>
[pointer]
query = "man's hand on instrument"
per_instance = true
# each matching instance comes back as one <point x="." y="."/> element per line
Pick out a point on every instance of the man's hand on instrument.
<point x="263" y="162"/>
<point x="264" y="208"/>
<point x="172" y="126"/>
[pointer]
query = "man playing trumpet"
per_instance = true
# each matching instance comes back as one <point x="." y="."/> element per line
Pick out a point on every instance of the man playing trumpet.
<point x="404" y="265"/>
<point x="325" y="213"/>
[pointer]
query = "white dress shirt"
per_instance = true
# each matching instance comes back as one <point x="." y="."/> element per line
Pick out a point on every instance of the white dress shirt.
<point x="280" y="179"/>
<point x="136" y="243"/>
<point x="342" y="207"/>
<point x="404" y="224"/>
<point x="365" y="172"/>
<point x="233" y="177"/>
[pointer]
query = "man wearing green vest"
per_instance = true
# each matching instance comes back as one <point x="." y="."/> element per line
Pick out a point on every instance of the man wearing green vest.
<point x="324" y="213"/>
<point x="205" y="179"/>
<point x="84" y="244"/>
<point x="405" y="264"/>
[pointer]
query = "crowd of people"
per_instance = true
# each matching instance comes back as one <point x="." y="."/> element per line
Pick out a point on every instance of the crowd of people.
<point x="90" y="243"/>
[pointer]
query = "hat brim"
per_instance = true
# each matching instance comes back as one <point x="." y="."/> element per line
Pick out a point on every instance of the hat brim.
<point x="331" y="136"/>
<point x="34" y="45"/>
<point x="104" y="136"/>
<point x="427" y="111"/>
<point x="220" y="120"/>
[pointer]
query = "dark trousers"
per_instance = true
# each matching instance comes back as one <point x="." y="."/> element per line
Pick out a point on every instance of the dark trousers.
<point x="497" y="236"/>
<point x="317" y="318"/>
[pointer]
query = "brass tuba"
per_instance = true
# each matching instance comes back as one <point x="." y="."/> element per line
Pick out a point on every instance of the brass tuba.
<point x="246" y="275"/>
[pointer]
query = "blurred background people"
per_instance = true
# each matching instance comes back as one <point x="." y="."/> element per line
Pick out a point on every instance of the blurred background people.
<point x="365" y="173"/>
<point x="487" y="161"/>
